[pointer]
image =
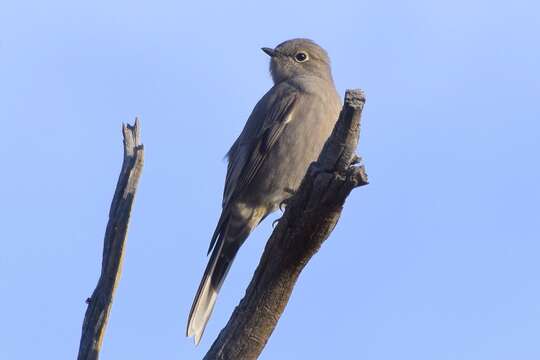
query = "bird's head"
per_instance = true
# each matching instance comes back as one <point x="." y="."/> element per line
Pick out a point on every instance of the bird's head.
<point x="298" y="57"/>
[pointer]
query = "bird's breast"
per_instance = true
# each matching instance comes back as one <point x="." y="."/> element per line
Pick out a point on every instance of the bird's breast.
<point x="308" y="127"/>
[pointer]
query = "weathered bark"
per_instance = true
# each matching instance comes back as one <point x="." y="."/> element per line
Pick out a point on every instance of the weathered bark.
<point x="99" y="305"/>
<point x="310" y="216"/>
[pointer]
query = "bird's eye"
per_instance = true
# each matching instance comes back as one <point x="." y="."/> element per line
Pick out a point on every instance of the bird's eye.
<point x="301" y="57"/>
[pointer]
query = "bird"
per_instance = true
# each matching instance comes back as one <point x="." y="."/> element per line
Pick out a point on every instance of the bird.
<point x="284" y="134"/>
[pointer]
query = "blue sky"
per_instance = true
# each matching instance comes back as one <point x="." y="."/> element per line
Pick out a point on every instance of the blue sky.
<point x="436" y="259"/>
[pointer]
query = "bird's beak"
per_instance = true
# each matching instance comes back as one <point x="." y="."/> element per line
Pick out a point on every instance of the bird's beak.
<point x="270" y="52"/>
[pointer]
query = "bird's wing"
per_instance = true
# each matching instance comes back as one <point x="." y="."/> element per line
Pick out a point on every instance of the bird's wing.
<point x="262" y="130"/>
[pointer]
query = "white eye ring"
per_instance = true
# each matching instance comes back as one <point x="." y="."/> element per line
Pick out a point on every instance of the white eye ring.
<point x="301" y="56"/>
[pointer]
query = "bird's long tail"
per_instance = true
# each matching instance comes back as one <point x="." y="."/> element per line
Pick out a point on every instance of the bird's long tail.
<point x="230" y="235"/>
<point x="204" y="302"/>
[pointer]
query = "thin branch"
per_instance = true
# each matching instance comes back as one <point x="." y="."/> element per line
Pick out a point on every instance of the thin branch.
<point x="99" y="305"/>
<point x="310" y="216"/>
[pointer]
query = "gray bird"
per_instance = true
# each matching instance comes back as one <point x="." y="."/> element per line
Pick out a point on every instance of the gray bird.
<point x="283" y="135"/>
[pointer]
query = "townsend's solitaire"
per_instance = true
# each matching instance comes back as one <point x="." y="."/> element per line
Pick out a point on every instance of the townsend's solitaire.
<point x="283" y="135"/>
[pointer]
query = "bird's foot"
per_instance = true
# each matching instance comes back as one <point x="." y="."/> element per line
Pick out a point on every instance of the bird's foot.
<point x="357" y="160"/>
<point x="283" y="204"/>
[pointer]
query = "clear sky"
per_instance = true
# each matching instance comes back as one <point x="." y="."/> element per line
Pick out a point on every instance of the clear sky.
<point x="436" y="259"/>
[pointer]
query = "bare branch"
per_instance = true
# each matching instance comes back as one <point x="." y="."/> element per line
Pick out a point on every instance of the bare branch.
<point x="99" y="305"/>
<point x="311" y="215"/>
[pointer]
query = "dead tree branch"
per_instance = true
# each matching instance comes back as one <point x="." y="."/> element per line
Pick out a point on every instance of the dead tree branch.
<point x="310" y="216"/>
<point x="99" y="305"/>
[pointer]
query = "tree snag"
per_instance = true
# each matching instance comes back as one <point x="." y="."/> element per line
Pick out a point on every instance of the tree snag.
<point x="100" y="303"/>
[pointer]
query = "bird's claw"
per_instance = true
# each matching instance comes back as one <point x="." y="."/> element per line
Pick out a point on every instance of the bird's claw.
<point x="283" y="204"/>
